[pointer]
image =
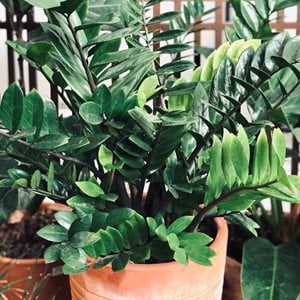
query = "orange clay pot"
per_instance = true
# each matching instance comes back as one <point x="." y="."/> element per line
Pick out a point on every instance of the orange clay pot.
<point x="157" y="281"/>
<point x="33" y="275"/>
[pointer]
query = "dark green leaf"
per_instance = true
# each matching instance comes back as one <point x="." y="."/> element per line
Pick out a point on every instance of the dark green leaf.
<point x="270" y="272"/>
<point x="50" y="141"/>
<point x="168" y="35"/>
<point x="11" y="109"/>
<point x="120" y="261"/>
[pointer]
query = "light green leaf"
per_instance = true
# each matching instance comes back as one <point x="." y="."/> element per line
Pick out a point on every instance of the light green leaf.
<point x="279" y="145"/>
<point x="91" y="113"/>
<point x="84" y="238"/>
<point x="52" y="253"/>
<point x="35" y="179"/>
<point x="180" y="224"/>
<point x="180" y="256"/>
<point x="261" y="158"/>
<point x="105" y="157"/>
<point x="50" y="177"/>
<point x="89" y="188"/>
<point x="53" y="233"/>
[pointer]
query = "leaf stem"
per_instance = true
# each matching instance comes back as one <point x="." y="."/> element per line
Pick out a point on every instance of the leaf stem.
<point x="88" y="72"/>
<point x="203" y="212"/>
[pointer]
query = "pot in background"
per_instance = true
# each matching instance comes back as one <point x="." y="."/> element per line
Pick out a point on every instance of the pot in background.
<point x="33" y="276"/>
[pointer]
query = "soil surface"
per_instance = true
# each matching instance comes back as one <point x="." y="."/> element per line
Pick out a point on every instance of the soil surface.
<point x="19" y="240"/>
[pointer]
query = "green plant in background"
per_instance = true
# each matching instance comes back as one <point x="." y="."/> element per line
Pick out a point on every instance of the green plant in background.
<point x="275" y="253"/>
<point x="252" y="21"/>
<point x="174" y="144"/>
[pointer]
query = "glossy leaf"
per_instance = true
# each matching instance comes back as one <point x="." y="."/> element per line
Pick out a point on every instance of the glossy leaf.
<point x="270" y="272"/>
<point x="53" y="233"/>
<point x="89" y="188"/>
<point x="32" y="116"/>
<point x="11" y="108"/>
<point x="91" y="113"/>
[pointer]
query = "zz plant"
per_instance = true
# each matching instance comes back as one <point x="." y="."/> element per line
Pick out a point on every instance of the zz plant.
<point x="143" y="158"/>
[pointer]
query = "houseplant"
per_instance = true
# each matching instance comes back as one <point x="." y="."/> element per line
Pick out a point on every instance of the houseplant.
<point x="188" y="140"/>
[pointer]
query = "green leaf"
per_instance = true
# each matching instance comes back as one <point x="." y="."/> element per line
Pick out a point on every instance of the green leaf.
<point x="147" y="89"/>
<point x="200" y="255"/>
<point x="162" y="232"/>
<point x="215" y="180"/>
<point x="120" y="261"/>
<point x="84" y="238"/>
<point x="35" y="179"/>
<point x="32" y="114"/>
<point x="50" y="177"/>
<point x="274" y="48"/>
<point x="119" y="215"/>
<point x="167" y="16"/>
<point x="279" y="145"/>
<point x="65" y="218"/>
<point x="105" y="157"/>
<point x="11" y="108"/>
<point x="282" y="4"/>
<point x="53" y="233"/>
<point x="72" y="256"/>
<point x="242" y="28"/>
<point x="270" y="272"/>
<point x="91" y="113"/>
<point x="121" y="33"/>
<point x="180" y="224"/>
<point x="173" y="241"/>
<point x="38" y="52"/>
<point x="262" y="8"/>
<point x="198" y="238"/>
<point x="52" y="253"/>
<point x="89" y="188"/>
<point x="174" y="48"/>
<point x="250" y="15"/>
<point x="168" y="35"/>
<point x="261" y="158"/>
<point x="243" y="221"/>
<point x="227" y="161"/>
<point x="102" y="263"/>
<point x="176" y="66"/>
<point x="180" y="256"/>
<point x="139" y="254"/>
<point x="239" y="160"/>
<point x="45" y="4"/>
<point x="51" y="141"/>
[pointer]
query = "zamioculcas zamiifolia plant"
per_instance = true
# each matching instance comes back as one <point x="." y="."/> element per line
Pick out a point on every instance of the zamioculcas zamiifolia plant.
<point x="144" y="158"/>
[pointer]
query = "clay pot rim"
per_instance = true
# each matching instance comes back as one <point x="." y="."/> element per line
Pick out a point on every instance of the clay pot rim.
<point x="46" y="204"/>
<point x="222" y="233"/>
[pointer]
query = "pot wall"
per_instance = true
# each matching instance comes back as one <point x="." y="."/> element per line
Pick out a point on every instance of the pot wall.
<point x="17" y="272"/>
<point x="157" y="281"/>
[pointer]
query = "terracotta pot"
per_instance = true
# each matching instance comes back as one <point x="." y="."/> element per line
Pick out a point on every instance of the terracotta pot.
<point x="157" y="281"/>
<point x="33" y="275"/>
<point x="232" y="282"/>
